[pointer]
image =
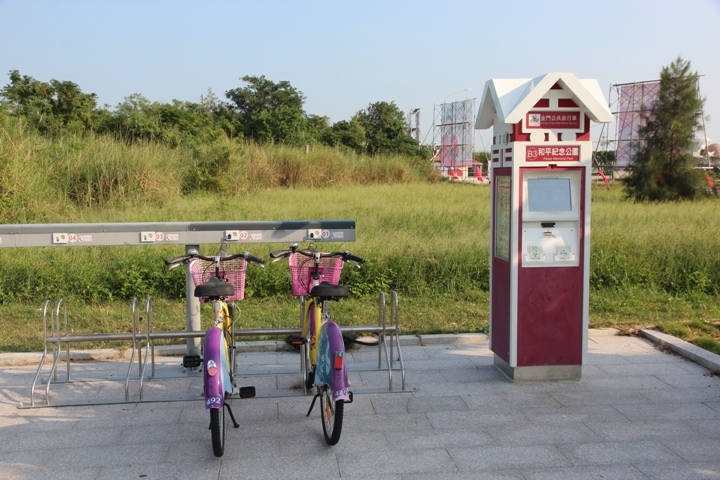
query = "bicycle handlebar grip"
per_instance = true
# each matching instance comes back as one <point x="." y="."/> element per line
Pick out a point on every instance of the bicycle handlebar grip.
<point x="233" y="256"/>
<point x="280" y="254"/>
<point x="353" y="258"/>
<point x="172" y="261"/>
<point x="254" y="259"/>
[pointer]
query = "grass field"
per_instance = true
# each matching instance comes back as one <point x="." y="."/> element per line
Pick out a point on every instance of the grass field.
<point x="651" y="264"/>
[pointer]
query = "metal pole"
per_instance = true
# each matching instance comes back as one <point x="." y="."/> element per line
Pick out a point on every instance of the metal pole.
<point x="192" y="306"/>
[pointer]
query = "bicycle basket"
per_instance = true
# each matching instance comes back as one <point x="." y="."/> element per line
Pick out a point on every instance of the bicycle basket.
<point x="232" y="270"/>
<point x="300" y="272"/>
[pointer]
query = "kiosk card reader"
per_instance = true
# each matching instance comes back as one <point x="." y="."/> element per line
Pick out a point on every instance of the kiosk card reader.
<point x="550" y="218"/>
<point x="540" y="221"/>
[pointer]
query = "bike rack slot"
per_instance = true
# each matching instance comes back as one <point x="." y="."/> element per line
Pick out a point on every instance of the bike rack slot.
<point x="53" y="339"/>
<point x="56" y="339"/>
<point x="387" y="333"/>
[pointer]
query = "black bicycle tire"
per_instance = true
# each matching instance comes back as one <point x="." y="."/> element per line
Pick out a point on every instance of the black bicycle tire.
<point x="336" y="421"/>
<point x="217" y="430"/>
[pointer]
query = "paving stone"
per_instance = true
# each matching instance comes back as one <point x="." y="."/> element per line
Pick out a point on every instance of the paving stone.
<point x="496" y="457"/>
<point x="637" y="412"/>
<point x="682" y="470"/>
<point x="617" y="453"/>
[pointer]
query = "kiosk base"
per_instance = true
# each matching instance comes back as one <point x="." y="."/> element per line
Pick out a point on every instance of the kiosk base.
<point x="538" y="373"/>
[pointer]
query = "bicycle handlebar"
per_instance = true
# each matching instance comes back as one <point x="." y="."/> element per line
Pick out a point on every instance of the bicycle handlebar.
<point x="245" y="255"/>
<point x="346" y="255"/>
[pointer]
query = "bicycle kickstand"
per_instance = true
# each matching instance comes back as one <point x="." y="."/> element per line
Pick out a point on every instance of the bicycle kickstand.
<point x="235" y="424"/>
<point x="312" y="405"/>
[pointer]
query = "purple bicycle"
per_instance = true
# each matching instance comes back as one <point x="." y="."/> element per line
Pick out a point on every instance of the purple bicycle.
<point x="315" y="277"/>
<point x="219" y="280"/>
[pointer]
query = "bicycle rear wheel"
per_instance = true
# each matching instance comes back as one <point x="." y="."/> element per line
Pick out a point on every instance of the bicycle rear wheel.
<point x="331" y="412"/>
<point x="217" y="430"/>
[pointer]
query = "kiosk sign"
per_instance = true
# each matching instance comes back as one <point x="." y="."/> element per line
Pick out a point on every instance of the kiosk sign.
<point x="551" y="120"/>
<point x="552" y="154"/>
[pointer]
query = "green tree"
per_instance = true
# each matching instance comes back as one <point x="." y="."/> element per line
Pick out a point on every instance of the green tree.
<point x="386" y="130"/>
<point x="315" y="126"/>
<point x="51" y="108"/>
<point x="347" y="134"/>
<point x="268" y="111"/>
<point x="663" y="168"/>
<point x="176" y="123"/>
<point x="135" y="119"/>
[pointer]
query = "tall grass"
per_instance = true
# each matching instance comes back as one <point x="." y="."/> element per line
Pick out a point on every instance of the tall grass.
<point x="94" y="172"/>
<point x="26" y="193"/>
<point x="46" y="180"/>
<point x="421" y="237"/>
<point x="671" y="246"/>
<point x="234" y="168"/>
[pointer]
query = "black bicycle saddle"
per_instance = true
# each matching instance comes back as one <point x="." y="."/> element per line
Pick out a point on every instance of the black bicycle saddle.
<point x="215" y="288"/>
<point x="328" y="290"/>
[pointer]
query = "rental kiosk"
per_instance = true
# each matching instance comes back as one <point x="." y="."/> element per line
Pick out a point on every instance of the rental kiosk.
<point x="540" y="221"/>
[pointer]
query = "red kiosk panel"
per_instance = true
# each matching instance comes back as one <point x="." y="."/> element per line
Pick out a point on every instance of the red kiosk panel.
<point x="550" y="303"/>
<point x="501" y="288"/>
<point x="550" y="309"/>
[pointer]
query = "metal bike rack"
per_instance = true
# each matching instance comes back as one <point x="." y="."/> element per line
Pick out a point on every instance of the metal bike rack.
<point x="191" y="235"/>
<point x="57" y="338"/>
<point x="188" y="234"/>
<point x="388" y="347"/>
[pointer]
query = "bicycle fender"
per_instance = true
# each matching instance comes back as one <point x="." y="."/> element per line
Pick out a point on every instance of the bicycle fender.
<point x="331" y="366"/>
<point x="215" y="358"/>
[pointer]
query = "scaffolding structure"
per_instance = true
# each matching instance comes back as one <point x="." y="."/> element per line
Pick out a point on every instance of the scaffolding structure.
<point x="631" y="103"/>
<point x="453" y="135"/>
<point x="413" y="122"/>
<point x="634" y="101"/>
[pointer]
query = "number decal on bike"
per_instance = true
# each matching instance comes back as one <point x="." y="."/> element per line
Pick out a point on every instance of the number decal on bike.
<point x="213" y="400"/>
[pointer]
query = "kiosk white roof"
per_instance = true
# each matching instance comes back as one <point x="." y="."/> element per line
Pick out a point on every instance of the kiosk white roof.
<point x="509" y="99"/>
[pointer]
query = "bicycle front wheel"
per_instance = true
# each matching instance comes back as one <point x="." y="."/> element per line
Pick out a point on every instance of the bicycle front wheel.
<point x="331" y="412"/>
<point x="217" y="430"/>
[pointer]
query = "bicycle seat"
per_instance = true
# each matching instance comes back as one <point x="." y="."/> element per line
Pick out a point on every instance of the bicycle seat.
<point x="328" y="290"/>
<point x="215" y="288"/>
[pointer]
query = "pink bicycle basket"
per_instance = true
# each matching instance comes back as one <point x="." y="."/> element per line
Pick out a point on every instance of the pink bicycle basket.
<point x="301" y="266"/>
<point x="233" y="271"/>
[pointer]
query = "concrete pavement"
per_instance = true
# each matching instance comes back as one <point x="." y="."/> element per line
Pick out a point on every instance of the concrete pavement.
<point x="637" y="413"/>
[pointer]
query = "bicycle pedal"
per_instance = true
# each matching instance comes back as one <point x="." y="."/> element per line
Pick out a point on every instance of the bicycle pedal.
<point x="191" y="361"/>
<point x="296" y="340"/>
<point x="247" y="392"/>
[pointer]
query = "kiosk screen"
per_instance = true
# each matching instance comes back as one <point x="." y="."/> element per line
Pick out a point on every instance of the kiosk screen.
<point x="549" y="195"/>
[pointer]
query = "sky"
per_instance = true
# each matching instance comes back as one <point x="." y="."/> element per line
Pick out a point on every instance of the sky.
<point x="344" y="55"/>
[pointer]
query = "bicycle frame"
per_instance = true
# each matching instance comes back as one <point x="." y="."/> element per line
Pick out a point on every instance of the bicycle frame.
<point x="216" y="358"/>
<point x="312" y="321"/>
